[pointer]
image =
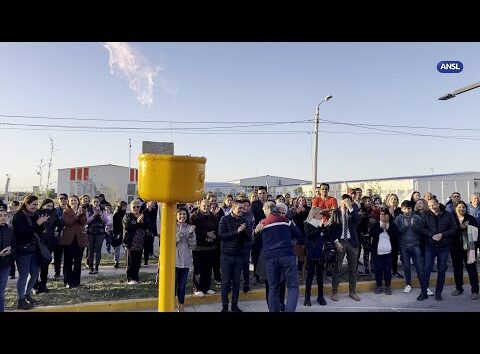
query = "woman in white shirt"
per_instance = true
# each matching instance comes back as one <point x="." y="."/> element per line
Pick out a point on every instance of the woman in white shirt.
<point x="384" y="235"/>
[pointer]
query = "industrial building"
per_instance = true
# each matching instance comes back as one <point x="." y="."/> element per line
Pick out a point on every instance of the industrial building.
<point x="116" y="182"/>
<point x="441" y="185"/>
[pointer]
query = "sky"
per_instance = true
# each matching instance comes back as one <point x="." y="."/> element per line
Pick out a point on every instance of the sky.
<point x="258" y="85"/>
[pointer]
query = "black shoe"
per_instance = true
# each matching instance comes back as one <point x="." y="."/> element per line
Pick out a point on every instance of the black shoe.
<point x="24" y="305"/>
<point x="282" y="307"/>
<point x="115" y="265"/>
<point x="307" y="302"/>
<point x="12" y="276"/>
<point x="246" y="289"/>
<point x="30" y="300"/>
<point x="422" y="296"/>
<point x="236" y="309"/>
<point x="359" y="272"/>
<point x="367" y="272"/>
<point x="398" y="275"/>
<point x="91" y="271"/>
<point x="321" y="300"/>
<point x="438" y="297"/>
<point x="224" y="309"/>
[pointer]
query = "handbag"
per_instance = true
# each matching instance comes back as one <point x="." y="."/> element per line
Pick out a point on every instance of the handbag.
<point x="43" y="253"/>
<point x="116" y="240"/>
<point x="329" y="252"/>
<point x="299" y="251"/>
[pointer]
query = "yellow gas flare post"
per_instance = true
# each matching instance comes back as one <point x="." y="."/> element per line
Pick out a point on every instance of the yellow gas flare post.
<point x="169" y="179"/>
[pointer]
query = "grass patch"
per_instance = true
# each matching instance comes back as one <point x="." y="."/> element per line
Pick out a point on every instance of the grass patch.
<point x="114" y="287"/>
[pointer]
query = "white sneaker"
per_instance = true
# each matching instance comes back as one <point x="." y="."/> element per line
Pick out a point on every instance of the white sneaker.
<point x="429" y="292"/>
<point x="199" y="293"/>
<point x="210" y="291"/>
<point x="132" y="282"/>
<point x="407" y="289"/>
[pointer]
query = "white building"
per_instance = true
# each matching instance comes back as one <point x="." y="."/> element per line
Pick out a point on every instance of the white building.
<point x="116" y="182"/>
<point x="441" y="185"/>
<point x="275" y="184"/>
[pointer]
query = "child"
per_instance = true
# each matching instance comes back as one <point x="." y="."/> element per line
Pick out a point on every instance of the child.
<point x="7" y="249"/>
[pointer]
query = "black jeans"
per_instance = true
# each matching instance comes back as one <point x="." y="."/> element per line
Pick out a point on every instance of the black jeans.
<point x="57" y="258"/>
<point x="383" y="269"/>
<point x="231" y="269"/>
<point x="459" y="258"/>
<point x="217" y="275"/>
<point x="148" y="248"/>
<point x="202" y="269"/>
<point x="72" y="267"/>
<point x="134" y="258"/>
<point x="314" y="267"/>
<point x="246" y="267"/>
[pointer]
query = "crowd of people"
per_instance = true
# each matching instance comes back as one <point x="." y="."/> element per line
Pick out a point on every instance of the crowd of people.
<point x="75" y="225"/>
<point x="280" y="236"/>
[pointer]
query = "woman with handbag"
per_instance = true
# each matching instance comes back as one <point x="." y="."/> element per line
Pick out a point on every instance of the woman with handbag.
<point x="74" y="240"/>
<point x="135" y="226"/>
<point x="49" y="239"/>
<point x="25" y="224"/>
<point x="314" y="232"/>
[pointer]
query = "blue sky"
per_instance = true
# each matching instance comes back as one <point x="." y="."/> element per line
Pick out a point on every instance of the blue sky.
<point x="374" y="83"/>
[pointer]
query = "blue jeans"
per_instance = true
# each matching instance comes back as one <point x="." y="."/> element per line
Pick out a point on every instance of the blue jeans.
<point x="442" y="255"/>
<point x="181" y="275"/>
<point x="416" y="256"/>
<point x="27" y="266"/>
<point x="231" y="267"/>
<point x="275" y="268"/>
<point x="4" y="273"/>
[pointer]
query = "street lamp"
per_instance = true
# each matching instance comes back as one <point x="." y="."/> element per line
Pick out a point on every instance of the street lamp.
<point x="315" y="142"/>
<point x="459" y="91"/>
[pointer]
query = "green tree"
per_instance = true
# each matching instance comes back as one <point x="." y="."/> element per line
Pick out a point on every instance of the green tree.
<point x="298" y="191"/>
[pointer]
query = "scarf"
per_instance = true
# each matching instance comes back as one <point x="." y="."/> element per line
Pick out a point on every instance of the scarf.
<point x="469" y="235"/>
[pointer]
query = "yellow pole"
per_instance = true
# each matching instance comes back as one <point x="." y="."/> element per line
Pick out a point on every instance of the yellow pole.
<point x="166" y="276"/>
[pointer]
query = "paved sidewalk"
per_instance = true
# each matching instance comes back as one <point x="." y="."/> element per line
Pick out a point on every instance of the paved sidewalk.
<point x="370" y="302"/>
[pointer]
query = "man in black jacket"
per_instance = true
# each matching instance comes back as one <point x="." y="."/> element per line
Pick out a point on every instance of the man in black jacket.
<point x="342" y="230"/>
<point x="438" y="226"/>
<point x="257" y="211"/>
<point x="233" y="233"/>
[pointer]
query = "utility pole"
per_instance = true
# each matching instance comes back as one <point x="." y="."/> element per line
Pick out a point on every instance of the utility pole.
<point x="49" y="166"/>
<point x="6" y="187"/>
<point x="129" y="157"/>
<point x="315" y="143"/>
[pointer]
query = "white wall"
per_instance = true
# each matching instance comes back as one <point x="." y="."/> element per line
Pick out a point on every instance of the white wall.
<point x="108" y="179"/>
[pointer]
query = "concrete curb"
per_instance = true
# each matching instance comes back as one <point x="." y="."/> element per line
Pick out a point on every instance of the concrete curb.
<point x="258" y="294"/>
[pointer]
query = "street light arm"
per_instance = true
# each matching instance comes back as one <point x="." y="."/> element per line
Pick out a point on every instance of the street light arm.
<point x="459" y="91"/>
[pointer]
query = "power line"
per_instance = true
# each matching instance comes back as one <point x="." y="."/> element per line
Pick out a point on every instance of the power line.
<point x="407" y="126"/>
<point x="402" y="133"/>
<point x="147" y="121"/>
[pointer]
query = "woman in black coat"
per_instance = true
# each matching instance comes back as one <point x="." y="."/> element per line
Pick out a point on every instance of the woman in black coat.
<point x="25" y="223"/>
<point x="461" y="247"/>
<point x="314" y="233"/>
<point x="48" y="237"/>
<point x="135" y="226"/>
<point x="384" y="236"/>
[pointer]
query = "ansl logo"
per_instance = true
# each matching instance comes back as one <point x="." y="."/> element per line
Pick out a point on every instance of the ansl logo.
<point x="449" y="66"/>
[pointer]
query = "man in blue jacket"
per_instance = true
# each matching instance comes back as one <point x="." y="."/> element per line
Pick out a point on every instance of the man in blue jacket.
<point x="277" y="233"/>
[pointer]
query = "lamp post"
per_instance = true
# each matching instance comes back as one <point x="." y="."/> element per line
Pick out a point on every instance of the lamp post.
<point x="315" y="143"/>
<point x="459" y="91"/>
